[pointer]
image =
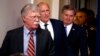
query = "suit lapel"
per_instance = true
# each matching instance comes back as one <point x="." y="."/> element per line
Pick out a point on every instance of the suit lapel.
<point x="54" y="28"/>
<point x="38" y="36"/>
<point x="20" y="40"/>
<point x="71" y="31"/>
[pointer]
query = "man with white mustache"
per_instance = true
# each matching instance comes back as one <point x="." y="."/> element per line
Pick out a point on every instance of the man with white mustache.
<point x="17" y="41"/>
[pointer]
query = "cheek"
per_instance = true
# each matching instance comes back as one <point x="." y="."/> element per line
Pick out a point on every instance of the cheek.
<point x="48" y="13"/>
<point x="42" y="13"/>
<point x="26" y="19"/>
<point x="81" y="21"/>
<point x="29" y="21"/>
<point x="66" y="20"/>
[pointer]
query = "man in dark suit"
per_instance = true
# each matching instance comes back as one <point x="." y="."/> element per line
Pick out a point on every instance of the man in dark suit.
<point x="55" y="27"/>
<point x="17" y="41"/>
<point x="86" y="18"/>
<point x="98" y="31"/>
<point x="75" y="35"/>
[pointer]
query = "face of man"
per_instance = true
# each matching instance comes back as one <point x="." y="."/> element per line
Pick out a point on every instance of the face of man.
<point x="67" y="17"/>
<point x="31" y="20"/>
<point x="80" y="18"/>
<point x="44" y="12"/>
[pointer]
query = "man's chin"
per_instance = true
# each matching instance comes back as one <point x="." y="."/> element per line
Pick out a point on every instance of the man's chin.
<point x="36" y="26"/>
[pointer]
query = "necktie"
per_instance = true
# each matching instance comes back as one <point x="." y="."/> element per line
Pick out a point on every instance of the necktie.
<point x="45" y="26"/>
<point x="66" y="30"/>
<point x="31" y="47"/>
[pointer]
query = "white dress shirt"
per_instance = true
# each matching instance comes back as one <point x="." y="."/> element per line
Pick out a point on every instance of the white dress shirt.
<point x="49" y="27"/>
<point x="68" y="28"/>
<point x="26" y="40"/>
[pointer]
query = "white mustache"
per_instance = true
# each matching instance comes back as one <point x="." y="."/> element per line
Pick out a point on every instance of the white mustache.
<point x="36" y="23"/>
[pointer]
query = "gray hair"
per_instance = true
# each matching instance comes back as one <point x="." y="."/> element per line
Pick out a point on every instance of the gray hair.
<point x="28" y="7"/>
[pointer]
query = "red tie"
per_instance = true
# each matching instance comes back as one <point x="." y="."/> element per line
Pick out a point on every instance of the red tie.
<point x="31" y="50"/>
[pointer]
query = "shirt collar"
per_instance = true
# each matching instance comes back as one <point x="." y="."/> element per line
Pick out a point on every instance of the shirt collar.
<point x="70" y="25"/>
<point x="26" y="31"/>
<point x="42" y="23"/>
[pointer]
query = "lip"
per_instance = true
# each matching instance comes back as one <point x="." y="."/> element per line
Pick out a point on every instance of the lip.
<point x="46" y="17"/>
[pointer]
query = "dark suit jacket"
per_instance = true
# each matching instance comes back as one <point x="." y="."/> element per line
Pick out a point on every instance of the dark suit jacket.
<point x="59" y="35"/>
<point x="76" y="40"/>
<point x="13" y="43"/>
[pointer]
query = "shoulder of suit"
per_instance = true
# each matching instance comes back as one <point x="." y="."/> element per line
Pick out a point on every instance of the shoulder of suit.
<point x="44" y="31"/>
<point x="16" y="29"/>
<point x="77" y="27"/>
<point x="55" y="20"/>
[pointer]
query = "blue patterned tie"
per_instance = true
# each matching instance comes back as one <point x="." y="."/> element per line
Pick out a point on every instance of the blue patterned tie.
<point x="66" y="30"/>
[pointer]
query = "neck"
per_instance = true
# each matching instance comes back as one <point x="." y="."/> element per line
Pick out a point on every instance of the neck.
<point x="29" y="28"/>
<point x="67" y="24"/>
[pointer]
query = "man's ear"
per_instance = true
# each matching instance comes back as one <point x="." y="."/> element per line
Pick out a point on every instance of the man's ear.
<point x="23" y="18"/>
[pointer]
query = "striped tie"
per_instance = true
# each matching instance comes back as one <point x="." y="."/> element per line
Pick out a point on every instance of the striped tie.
<point x="31" y="50"/>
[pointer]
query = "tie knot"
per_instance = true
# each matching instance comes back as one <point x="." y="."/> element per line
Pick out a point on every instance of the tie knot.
<point x="31" y="32"/>
<point x="45" y="26"/>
